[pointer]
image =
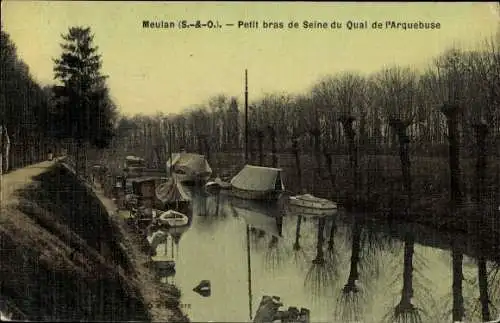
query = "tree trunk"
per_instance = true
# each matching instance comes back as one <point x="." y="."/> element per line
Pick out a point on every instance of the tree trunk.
<point x="274" y="154"/>
<point x="296" y="152"/>
<point x="260" y="142"/>
<point x="320" y="259"/>
<point x="347" y="124"/>
<point x="483" y="288"/>
<point x="458" y="299"/>
<point x="400" y="129"/>
<point x="350" y="286"/>
<point x="481" y="164"/>
<point x="451" y="113"/>
<point x="251" y="150"/>
<point x="407" y="291"/>
<point x="317" y="151"/>
<point x="328" y="159"/>
<point x="331" y="240"/>
<point x="296" y="245"/>
<point x="206" y="144"/>
<point x="200" y="144"/>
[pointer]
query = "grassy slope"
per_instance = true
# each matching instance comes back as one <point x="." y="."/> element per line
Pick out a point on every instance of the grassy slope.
<point x="60" y="256"/>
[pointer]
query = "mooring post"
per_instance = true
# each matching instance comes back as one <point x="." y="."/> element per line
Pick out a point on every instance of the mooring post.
<point x="246" y="116"/>
<point x="249" y="273"/>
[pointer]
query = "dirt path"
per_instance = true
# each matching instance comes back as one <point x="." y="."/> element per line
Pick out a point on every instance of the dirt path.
<point x="19" y="178"/>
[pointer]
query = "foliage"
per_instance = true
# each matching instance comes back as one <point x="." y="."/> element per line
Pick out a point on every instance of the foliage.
<point x="24" y="107"/>
<point x="468" y="78"/>
<point x="84" y="107"/>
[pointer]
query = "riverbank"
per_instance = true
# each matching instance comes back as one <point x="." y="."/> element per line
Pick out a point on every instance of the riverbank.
<point x="65" y="256"/>
<point x="60" y="255"/>
<point x="163" y="301"/>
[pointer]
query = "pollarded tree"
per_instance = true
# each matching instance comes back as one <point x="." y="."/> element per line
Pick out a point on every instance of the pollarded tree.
<point x="84" y="105"/>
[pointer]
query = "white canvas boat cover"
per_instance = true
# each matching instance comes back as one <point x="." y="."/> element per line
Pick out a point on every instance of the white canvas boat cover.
<point x="257" y="178"/>
<point x="192" y="164"/>
<point x="134" y="159"/>
<point x="170" y="192"/>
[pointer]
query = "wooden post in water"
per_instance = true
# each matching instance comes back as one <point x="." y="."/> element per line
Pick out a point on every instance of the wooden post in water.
<point x="246" y="116"/>
<point x="249" y="273"/>
<point x="170" y="149"/>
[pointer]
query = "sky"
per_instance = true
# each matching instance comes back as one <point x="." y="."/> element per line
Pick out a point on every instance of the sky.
<point x="171" y="69"/>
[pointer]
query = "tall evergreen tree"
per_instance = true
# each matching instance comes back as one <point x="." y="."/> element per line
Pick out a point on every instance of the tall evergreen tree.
<point x="86" y="112"/>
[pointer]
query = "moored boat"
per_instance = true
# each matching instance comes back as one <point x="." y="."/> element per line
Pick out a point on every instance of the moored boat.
<point x="173" y="218"/>
<point x="212" y="187"/>
<point x="171" y="196"/>
<point x="309" y="205"/>
<point x="258" y="183"/>
<point x="189" y="168"/>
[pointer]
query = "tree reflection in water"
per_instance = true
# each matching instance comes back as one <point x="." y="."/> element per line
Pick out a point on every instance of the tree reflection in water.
<point x="276" y="254"/>
<point x="376" y="250"/>
<point x="481" y="293"/>
<point x="351" y="299"/>
<point x="299" y="256"/>
<point x="320" y="276"/>
<point x="494" y="289"/>
<point x="405" y="311"/>
<point x="332" y="254"/>
<point x="258" y="238"/>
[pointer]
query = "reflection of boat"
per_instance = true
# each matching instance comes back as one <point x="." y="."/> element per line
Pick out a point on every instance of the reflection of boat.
<point x="265" y="217"/>
<point x="173" y="218"/>
<point x="188" y="167"/>
<point x="157" y="237"/>
<point x="312" y="206"/>
<point x="161" y="261"/>
<point x="258" y="183"/>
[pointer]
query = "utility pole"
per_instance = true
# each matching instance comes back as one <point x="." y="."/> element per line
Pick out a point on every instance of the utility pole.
<point x="246" y="116"/>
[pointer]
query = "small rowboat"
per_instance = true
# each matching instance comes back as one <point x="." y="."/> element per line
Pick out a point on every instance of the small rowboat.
<point x="173" y="218"/>
<point x="216" y="185"/>
<point x="312" y="206"/>
<point x="204" y="288"/>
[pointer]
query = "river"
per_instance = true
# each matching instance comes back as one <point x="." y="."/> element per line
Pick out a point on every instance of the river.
<point x="214" y="248"/>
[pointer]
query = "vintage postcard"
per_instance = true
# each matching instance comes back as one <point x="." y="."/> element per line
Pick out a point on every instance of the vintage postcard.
<point x="250" y="161"/>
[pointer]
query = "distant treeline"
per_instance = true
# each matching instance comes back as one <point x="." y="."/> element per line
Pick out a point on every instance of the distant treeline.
<point x="470" y="79"/>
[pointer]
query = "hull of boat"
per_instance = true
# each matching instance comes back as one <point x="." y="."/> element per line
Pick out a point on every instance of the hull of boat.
<point x="173" y="223"/>
<point x="182" y="206"/>
<point x="311" y="204"/>
<point x="311" y="212"/>
<point x="271" y="195"/>
<point x="173" y="219"/>
<point x="191" y="179"/>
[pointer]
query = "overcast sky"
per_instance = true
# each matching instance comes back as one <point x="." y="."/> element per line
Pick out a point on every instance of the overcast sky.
<point x="171" y="69"/>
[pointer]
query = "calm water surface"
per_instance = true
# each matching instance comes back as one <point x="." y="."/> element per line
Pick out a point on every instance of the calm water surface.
<point x="214" y="248"/>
